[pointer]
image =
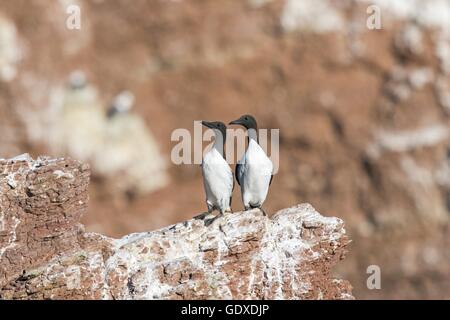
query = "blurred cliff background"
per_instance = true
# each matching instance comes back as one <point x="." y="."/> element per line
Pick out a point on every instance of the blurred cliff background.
<point x="363" y="114"/>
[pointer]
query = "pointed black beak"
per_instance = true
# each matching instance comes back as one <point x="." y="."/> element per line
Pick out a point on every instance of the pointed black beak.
<point x="237" y="121"/>
<point x="208" y="124"/>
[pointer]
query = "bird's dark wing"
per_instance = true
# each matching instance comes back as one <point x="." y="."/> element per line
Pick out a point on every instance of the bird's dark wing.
<point x="232" y="188"/>
<point x="237" y="173"/>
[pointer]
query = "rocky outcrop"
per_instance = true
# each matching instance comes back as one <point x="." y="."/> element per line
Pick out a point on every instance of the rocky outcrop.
<point x="45" y="253"/>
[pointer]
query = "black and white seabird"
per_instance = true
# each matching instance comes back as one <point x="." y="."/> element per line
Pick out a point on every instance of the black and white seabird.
<point x="122" y="103"/>
<point x="254" y="172"/>
<point x="217" y="175"/>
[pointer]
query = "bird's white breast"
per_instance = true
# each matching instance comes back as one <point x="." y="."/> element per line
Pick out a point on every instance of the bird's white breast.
<point x="257" y="172"/>
<point x="217" y="176"/>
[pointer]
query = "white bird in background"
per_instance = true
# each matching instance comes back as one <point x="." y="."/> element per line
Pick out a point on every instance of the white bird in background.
<point x="77" y="80"/>
<point x="254" y="172"/>
<point x="217" y="175"/>
<point x="77" y="118"/>
<point x="122" y="103"/>
<point x="129" y="150"/>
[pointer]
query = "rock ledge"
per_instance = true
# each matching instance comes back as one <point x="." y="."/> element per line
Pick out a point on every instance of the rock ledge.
<point x="45" y="253"/>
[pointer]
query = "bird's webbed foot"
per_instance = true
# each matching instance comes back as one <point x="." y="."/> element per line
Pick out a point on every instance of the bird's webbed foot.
<point x="263" y="212"/>
<point x="211" y="221"/>
<point x="201" y="216"/>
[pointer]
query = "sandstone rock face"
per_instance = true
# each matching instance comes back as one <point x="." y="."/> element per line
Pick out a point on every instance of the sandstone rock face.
<point x="41" y="203"/>
<point x="45" y="254"/>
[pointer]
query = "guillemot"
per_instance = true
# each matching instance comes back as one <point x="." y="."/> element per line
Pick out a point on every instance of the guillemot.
<point x="217" y="175"/>
<point x="122" y="103"/>
<point x="254" y="172"/>
<point x="77" y="80"/>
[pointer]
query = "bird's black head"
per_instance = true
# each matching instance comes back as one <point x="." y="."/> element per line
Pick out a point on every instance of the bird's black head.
<point x="247" y="121"/>
<point x="77" y="80"/>
<point x="122" y="103"/>
<point x="217" y="125"/>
